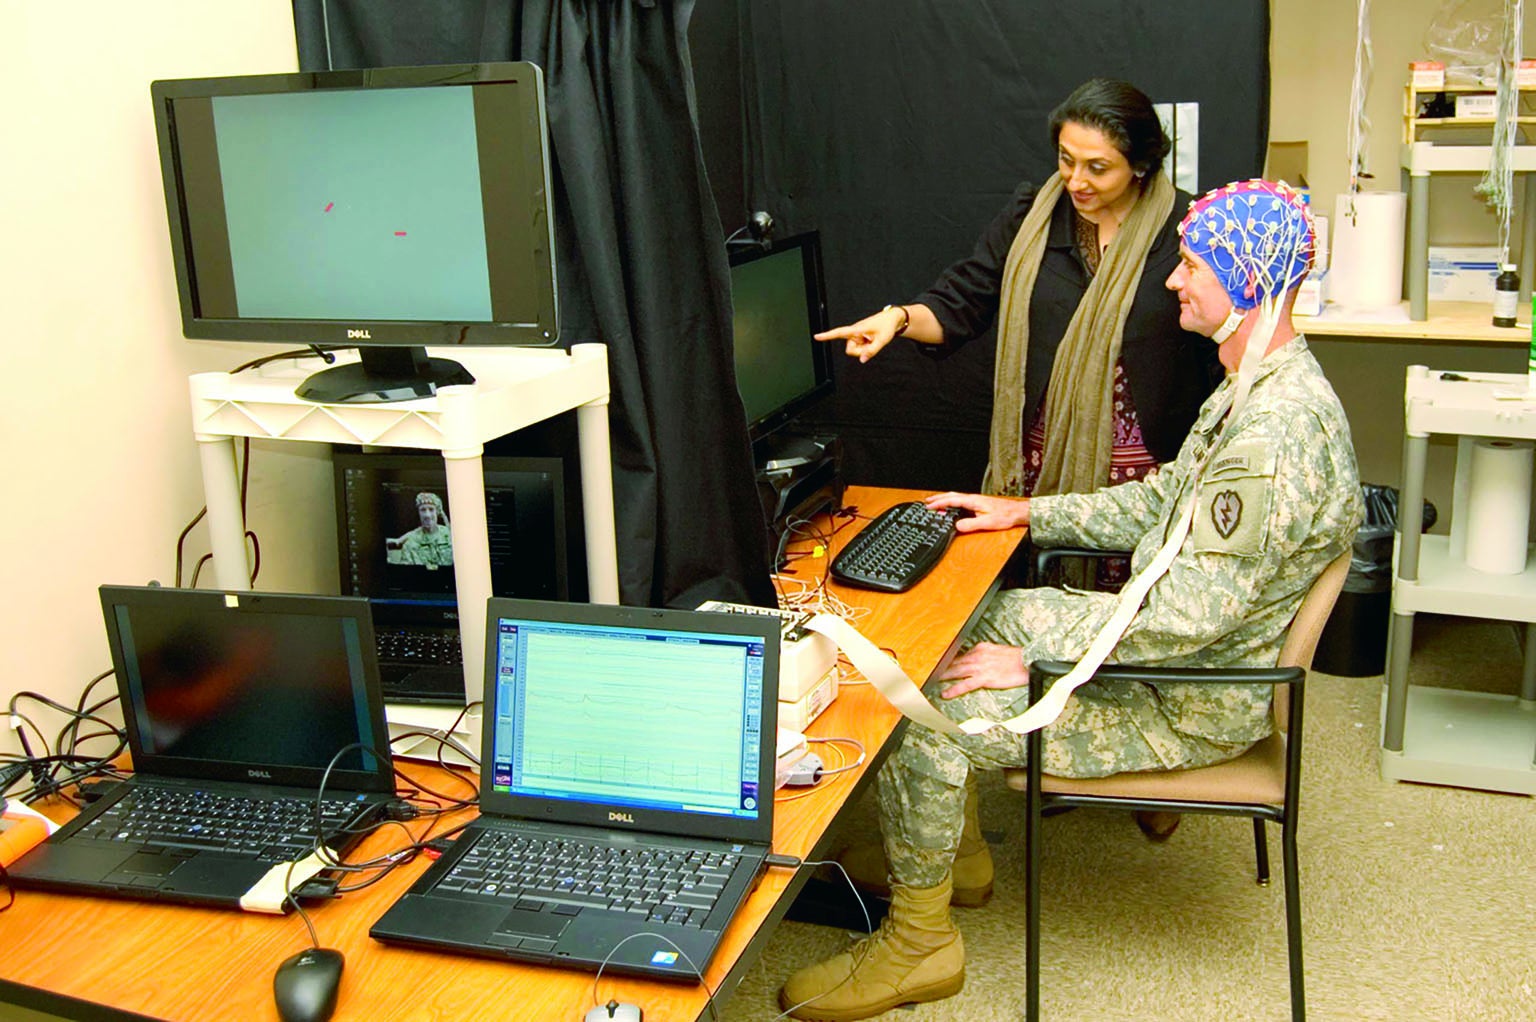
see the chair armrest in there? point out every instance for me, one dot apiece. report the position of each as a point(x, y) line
point(1052, 669)
point(1046, 557)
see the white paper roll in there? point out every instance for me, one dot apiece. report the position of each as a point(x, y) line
point(1499, 505)
point(1367, 259)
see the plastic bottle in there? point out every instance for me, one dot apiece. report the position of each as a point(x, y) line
point(1506, 295)
point(1530, 362)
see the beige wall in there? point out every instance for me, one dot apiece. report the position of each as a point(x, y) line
point(100, 468)
point(1312, 68)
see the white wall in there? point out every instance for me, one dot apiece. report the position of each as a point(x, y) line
point(100, 469)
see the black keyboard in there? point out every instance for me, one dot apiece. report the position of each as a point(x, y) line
point(660, 885)
point(413, 646)
point(273, 829)
point(897, 549)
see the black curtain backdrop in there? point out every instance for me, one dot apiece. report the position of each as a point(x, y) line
point(640, 257)
point(898, 128)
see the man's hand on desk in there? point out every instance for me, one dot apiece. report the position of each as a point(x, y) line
point(985, 665)
point(989, 514)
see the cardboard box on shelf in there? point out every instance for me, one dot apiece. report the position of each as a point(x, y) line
point(1426, 74)
point(1477, 104)
point(1462, 273)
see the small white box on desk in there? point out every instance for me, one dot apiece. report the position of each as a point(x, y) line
point(804, 657)
point(797, 714)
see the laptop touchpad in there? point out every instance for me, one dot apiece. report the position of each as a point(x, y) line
point(523, 923)
point(150, 864)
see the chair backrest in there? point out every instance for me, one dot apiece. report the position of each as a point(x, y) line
point(1307, 626)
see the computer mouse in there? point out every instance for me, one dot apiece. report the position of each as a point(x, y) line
point(615, 1011)
point(305, 985)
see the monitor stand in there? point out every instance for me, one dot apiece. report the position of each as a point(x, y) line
point(383, 374)
point(783, 453)
point(797, 476)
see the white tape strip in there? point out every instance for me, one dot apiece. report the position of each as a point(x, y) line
point(883, 673)
point(269, 893)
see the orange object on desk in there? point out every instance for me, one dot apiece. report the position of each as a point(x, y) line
point(18, 834)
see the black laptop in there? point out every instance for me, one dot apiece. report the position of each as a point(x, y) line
point(394, 538)
point(626, 791)
point(235, 705)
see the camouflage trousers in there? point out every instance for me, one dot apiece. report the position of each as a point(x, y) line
point(1104, 729)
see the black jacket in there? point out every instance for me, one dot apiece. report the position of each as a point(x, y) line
point(1170, 372)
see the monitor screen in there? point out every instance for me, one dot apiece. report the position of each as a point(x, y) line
point(395, 532)
point(392, 206)
point(778, 304)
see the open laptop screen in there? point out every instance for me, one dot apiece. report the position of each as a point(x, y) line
point(245, 685)
point(647, 718)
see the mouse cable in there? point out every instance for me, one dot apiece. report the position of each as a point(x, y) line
point(401, 856)
point(869, 927)
point(714, 1012)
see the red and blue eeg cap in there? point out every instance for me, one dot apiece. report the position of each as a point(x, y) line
point(1252, 233)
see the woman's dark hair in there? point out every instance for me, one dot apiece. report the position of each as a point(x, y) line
point(1124, 114)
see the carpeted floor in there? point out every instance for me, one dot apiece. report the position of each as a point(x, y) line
point(1418, 902)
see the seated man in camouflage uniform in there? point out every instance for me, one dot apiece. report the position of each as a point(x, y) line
point(1275, 503)
point(430, 543)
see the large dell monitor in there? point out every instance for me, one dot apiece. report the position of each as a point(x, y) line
point(386, 209)
point(778, 299)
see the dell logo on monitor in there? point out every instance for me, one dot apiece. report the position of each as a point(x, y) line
point(620, 818)
point(359, 335)
point(260, 775)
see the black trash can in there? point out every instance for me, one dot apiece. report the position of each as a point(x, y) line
point(1354, 642)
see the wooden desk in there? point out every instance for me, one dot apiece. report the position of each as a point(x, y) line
point(99, 959)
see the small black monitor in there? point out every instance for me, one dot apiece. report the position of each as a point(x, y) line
point(779, 303)
point(395, 528)
point(385, 209)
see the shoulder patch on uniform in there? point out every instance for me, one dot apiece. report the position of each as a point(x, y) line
point(1227, 512)
point(1244, 458)
point(1235, 493)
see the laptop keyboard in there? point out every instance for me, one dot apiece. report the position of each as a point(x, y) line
point(405, 645)
point(662, 885)
point(273, 829)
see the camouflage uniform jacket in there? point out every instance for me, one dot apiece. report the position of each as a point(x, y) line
point(1279, 500)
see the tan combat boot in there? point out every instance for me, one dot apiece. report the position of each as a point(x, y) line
point(915, 955)
point(972, 870)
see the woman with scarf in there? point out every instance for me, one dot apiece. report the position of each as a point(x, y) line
point(1095, 382)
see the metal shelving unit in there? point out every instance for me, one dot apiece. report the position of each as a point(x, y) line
point(1449, 736)
point(1422, 158)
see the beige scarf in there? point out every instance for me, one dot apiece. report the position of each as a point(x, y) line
point(1079, 401)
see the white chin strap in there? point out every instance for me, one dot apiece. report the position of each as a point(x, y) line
point(1229, 325)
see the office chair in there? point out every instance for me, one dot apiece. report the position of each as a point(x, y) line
point(1263, 783)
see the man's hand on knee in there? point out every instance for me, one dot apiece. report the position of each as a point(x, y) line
point(985, 665)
